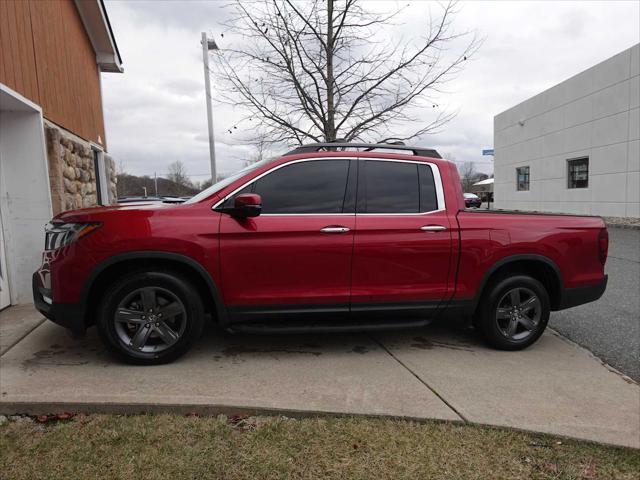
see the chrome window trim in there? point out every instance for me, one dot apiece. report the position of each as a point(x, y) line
point(434, 169)
point(307, 214)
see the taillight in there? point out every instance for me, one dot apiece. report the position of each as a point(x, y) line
point(603, 245)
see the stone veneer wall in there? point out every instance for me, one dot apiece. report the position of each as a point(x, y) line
point(72, 175)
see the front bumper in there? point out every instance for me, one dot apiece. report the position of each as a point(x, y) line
point(68, 315)
point(572, 297)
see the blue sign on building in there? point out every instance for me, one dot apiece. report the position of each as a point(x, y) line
point(487, 152)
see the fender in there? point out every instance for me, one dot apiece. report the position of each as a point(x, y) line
point(517, 258)
point(156, 255)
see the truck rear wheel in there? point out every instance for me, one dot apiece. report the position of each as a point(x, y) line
point(149, 318)
point(514, 313)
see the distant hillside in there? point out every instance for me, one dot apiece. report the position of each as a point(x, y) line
point(131, 185)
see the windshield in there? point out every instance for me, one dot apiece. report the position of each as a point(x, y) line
point(207, 192)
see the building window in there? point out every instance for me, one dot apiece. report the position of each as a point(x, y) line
point(578, 173)
point(522, 178)
point(102, 186)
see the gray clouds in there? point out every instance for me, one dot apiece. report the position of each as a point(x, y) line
point(155, 111)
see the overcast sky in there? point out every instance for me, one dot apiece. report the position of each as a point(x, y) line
point(155, 111)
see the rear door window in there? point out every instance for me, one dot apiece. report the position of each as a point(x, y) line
point(389, 187)
point(396, 187)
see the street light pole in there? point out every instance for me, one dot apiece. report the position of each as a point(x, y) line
point(206, 46)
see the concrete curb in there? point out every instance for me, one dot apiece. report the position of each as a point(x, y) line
point(623, 226)
point(203, 410)
point(127, 408)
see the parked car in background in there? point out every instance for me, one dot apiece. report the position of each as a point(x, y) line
point(331, 237)
point(471, 200)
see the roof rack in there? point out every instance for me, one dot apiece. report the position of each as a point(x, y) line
point(316, 147)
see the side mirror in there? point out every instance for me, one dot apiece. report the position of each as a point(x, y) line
point(247, 205)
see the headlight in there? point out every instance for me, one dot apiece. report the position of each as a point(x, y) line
point(58, 235)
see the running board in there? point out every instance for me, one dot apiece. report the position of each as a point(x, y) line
point(343, 327)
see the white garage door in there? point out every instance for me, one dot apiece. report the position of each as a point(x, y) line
point(25, 195)
point(5, 299)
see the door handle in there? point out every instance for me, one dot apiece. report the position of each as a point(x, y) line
point(433, 228)
point(334, 230)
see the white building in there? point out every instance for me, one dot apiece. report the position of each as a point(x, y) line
point(575, 147)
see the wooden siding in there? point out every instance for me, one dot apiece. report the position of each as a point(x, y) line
point(46, 56)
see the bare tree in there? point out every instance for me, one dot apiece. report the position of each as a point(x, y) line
point(262, 150)
point(320, 70)
point(178, 175)
point(122, 166)
point(204, 184)
point(469, 175)
point(122, 184)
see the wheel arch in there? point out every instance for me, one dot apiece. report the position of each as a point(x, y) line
point(116, 265)
point(542, 268)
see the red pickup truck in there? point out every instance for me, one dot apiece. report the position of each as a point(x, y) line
point(330, 237)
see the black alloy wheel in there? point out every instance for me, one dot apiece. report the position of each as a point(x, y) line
point(514, 312)
point(149, 318)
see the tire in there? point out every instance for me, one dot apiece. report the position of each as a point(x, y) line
point(150, 318)
point(501, 309)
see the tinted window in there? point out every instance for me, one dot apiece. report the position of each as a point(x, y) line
point(578, 176)
point(389, 187)
point(305, 187)
point(428, 197)
point(229, 202)
point(522, 178)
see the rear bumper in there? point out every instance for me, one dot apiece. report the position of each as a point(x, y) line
point(572, 297)
point(68, 315)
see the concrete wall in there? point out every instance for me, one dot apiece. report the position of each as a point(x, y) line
point(594, 114)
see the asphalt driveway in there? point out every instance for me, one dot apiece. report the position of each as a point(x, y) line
point(610, 327)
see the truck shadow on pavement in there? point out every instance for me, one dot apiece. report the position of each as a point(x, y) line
point(216, 344)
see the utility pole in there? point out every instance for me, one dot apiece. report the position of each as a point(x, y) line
point(206, 46)
point(155, 181)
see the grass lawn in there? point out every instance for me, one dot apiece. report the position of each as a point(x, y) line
point(179, 447)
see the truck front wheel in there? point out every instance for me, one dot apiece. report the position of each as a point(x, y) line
point(514, 313)
point(148, 318)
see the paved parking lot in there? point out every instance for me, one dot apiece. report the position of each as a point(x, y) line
point(610, 327)
point(437, 372)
